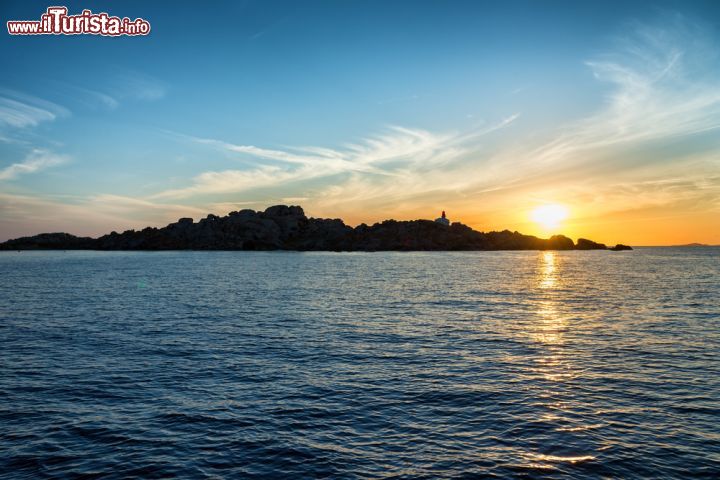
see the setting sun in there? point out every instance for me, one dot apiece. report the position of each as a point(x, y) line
point(549, 216)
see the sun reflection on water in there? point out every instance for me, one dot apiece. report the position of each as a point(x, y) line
point(548, 331)
point(550, 327)
point(548, 275)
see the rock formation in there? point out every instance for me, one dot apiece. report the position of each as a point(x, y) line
point(287, 228)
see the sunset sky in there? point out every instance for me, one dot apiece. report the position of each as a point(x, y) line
point(370, 110)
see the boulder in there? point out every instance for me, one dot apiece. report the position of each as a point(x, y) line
point(585, 244)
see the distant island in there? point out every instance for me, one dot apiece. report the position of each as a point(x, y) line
point(284, 227)
point(694, 245)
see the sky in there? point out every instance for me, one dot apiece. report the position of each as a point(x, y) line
point(368, 110)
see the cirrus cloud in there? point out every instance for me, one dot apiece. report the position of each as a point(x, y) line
point(35, 161)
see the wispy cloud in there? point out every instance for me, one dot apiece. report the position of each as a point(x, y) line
point(364, 156)
point(231, 181)
point(137, 86)
point(18, 110)
point(663, 86)
point(91, 98)
point(35, 161)
point(120, 87)
point(131, 208)
point(393, 154)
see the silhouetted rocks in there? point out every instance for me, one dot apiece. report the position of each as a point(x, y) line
point(287, 228)
point(620, 247)
point(49, 241)
point(585, 244)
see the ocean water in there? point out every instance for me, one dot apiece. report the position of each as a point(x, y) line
point(360, 365)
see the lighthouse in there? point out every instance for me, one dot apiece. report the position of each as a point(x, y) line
point(443, 219)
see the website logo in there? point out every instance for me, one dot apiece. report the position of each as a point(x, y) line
point(56, 21)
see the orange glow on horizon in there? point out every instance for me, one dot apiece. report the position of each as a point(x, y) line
point(631, 227)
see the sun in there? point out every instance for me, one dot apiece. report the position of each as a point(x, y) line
point(549, 216)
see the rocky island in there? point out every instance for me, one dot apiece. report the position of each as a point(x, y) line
point(284, 227)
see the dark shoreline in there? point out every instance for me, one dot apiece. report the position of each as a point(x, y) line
point(287, 228)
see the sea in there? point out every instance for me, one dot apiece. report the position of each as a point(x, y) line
point(402, 365)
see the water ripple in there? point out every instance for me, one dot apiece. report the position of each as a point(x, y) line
point(384, 365)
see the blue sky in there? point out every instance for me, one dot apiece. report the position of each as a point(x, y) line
point(365, 110)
